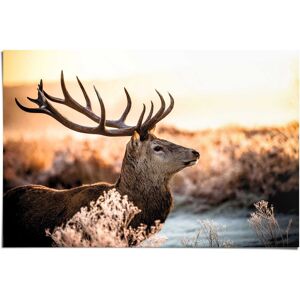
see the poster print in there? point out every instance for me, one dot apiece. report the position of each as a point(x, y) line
point(150, 149)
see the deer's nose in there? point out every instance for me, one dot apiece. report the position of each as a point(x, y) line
point(197, 154)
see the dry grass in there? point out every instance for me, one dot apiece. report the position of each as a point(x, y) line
point(208, 235)
point(236, 163)
point(64, 163)
point(266, 227)
point(106, 224)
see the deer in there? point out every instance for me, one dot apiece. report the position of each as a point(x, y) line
point(148, 165)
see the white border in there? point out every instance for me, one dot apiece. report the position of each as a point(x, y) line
point(149, 273)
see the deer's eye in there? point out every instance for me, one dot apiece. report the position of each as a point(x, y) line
point(157, 148)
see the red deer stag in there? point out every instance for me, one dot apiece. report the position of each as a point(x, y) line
point(148, 165)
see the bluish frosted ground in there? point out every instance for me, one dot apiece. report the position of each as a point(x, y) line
point(183, 223)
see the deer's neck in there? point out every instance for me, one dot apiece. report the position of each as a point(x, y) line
point(147, 190)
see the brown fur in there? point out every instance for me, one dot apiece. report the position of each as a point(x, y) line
point(29, 210)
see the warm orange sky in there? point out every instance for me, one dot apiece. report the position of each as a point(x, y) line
point(210, 88)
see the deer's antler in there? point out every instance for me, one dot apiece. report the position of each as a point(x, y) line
point(45, 107)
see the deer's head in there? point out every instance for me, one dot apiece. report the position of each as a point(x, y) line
point(155, 156)
point(158, 157)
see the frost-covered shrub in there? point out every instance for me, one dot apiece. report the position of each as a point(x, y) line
point(266, 227)
point(106, 224)
point(209, 234)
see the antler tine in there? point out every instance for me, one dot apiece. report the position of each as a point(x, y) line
point(100, 129)
point(41, 101)
point(31, 110)
point(150, 123)
point(120, 123)
point(68, 98)
point(87, 111)
point(38, 100)
point(128, 107)
point(87, 99)
point(169, 109)
point(117, 132)
point(150, 113)
point(103, 113)
point(56, 99)
point(40, 85)
point(45, 107)
point(139, 123)
point(69, 101)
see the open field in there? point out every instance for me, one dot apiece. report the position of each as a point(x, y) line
point(237, 165)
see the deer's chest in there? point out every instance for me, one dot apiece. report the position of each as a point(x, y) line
point(153, 207)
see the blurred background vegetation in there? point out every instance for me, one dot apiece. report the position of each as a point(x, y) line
point(238, 165)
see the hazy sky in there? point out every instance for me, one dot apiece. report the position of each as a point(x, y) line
point(210, 88)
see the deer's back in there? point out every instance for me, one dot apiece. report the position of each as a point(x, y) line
point(29, 210)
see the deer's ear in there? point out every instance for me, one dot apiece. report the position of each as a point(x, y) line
point(135, 139)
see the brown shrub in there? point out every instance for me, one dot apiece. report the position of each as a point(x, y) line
point(64, 164)
point(263, 162)
point(235, 163)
